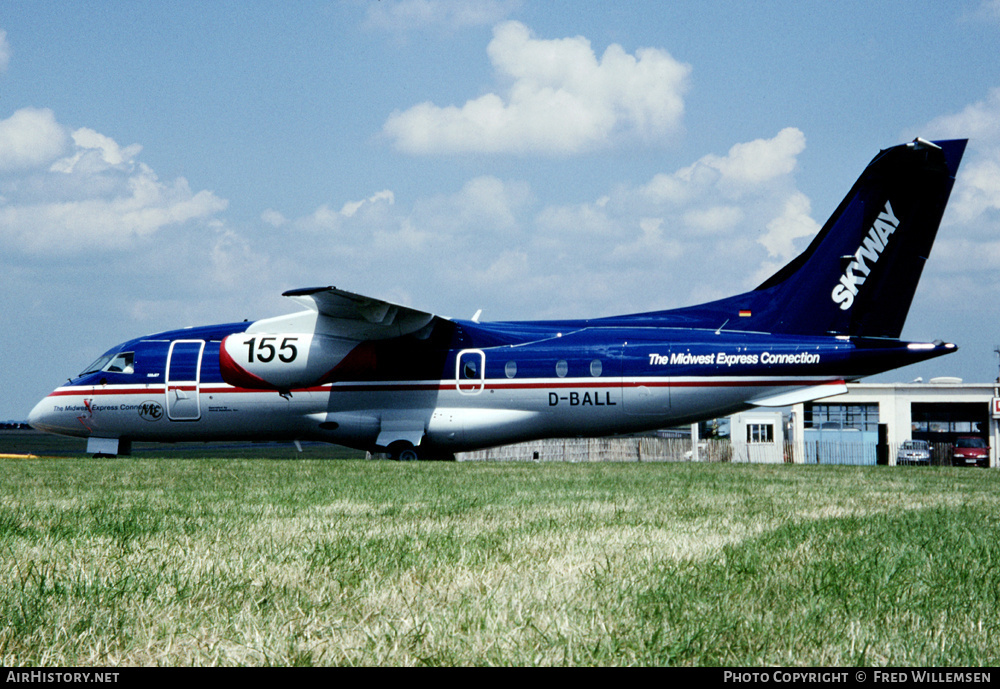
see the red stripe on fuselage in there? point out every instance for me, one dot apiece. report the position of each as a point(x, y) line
point(450, 385)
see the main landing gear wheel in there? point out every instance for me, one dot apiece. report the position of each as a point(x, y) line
point(403, 452)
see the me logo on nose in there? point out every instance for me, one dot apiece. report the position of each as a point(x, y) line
point(150, 411)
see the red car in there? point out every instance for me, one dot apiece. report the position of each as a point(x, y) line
point(969, 450)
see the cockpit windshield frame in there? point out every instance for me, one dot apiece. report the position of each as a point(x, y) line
point(119, 362)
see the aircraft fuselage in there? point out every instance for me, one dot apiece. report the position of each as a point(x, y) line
point(492, 384)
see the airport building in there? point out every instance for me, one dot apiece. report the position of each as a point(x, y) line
point(871, 416)
point(867, 425)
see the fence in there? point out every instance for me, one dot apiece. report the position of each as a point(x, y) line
point(679, 450)
point(826, 452)
point(604, 450)
point(866, 453)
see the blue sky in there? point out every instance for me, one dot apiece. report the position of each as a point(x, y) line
point(183, 163)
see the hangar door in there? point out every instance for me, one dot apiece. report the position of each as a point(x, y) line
point(942, 422)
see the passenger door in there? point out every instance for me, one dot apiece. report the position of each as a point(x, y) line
point(183, 377)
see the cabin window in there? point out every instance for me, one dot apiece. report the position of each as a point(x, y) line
point(596, 367)
point(562, 368)
point(469, 371)
point(510, 370)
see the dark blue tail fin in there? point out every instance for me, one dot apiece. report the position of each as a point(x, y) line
point(858, 275)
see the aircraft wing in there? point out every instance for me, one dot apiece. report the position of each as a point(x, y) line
point(339, 336)
point(359, 317)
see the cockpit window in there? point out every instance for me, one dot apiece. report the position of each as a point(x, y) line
point(97, 365)
point(123, 362)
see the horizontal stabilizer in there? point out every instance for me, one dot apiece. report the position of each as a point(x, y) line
point(801, 395)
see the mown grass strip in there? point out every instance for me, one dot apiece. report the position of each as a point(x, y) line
point(253, 561)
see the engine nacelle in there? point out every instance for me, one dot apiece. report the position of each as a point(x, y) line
point(280, 361)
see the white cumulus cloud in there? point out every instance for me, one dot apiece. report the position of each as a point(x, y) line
point(741, 209)
point(29, 138)
point(794, 222)
point(977, 191)
point(976, 196)
point(562, 99)
point(327, 219)
point(351, 207)
point(273, 218)
point(978, 121)
point(973, 214)
point(714, 219)
point(107, 151)
point(96, 196)
point(747, 166)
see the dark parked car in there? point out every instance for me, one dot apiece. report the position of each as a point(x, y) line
point(914, 452)
point(970, 450)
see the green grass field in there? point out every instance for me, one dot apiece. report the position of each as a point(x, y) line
point(184, 560)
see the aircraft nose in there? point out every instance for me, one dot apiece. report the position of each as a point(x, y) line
point(41, 417)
